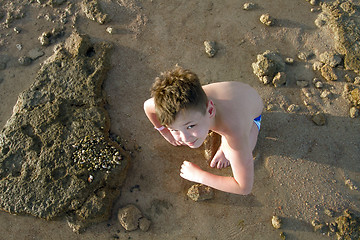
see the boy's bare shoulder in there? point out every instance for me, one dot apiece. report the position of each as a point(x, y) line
point(229, 90)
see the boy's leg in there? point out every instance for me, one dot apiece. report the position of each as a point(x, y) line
point(254, 132)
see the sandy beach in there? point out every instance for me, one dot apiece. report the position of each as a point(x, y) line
point(301, 169)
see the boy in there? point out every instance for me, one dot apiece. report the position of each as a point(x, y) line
point(183, 112)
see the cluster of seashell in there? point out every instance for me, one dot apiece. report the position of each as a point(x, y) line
point(94, 153)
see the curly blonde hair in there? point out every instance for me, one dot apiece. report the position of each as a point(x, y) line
point(176, 90)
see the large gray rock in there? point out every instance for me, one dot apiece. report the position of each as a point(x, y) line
point(341, 17)
point(56, 158)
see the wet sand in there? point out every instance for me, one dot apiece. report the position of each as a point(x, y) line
point(301, 168)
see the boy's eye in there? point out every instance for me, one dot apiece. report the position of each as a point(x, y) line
point(191, 126)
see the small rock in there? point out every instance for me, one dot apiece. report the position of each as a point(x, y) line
point(44, 39)
point(314, 2)
point(249, 6)
point(315, 222)
point(333, 227)
point(35, 53)
point(279, 79)
point(329, 212)
point(24, 60)
point(110, 30)
point(354, 112)
point(317, 66)
point(351, 184)
point(293, 108)
point(144, 224)
point(305, 56)
point(302, 83)
point(328, 73)
point(289, 61)
point(348, 78)
point(129, 217)
point(210, 48)
point(267, 19)
point(317, 83)
point(357, 80)
point(19, 47)
point(325, 94)
point(270, 107)
point(17, 30)
point(331, 59)
point(319, 119)
point(282, 236)
point(265, 79)
point(200, 192)
point(276, 222)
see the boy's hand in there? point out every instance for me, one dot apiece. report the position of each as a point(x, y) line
point(191, 172)
point(169, 137)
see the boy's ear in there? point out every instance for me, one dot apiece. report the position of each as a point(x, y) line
point(211, 108)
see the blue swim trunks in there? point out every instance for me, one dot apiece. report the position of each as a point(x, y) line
point(257, 121)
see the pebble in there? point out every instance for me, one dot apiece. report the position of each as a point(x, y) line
point(19, 46)
point(24, 60)
point(348, 78)
point(354, 112)
point(289, 61)
point(329, 212)
point(350, 184)
point(304, 56)
point(17, 30)
point(357, 80)
point(293, 108)
point(319, 85)
point(267, 19)
point(325, 94)
point(110, 30)
point(44, 39)
point(276, 222)
point(265, 79)
point(319, 119)
point(249, 6)
point(144, 224)
point(279, 79)
point(302, 83)
point(314, 2)
point(210, 48)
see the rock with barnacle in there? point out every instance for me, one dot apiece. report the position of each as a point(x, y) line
point(56, 143)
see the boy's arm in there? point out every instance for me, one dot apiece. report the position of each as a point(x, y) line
point(149, 108)
point(242, 165)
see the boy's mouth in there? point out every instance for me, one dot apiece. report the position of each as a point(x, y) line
point(191, 143)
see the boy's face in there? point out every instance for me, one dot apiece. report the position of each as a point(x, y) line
point(191, 127)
